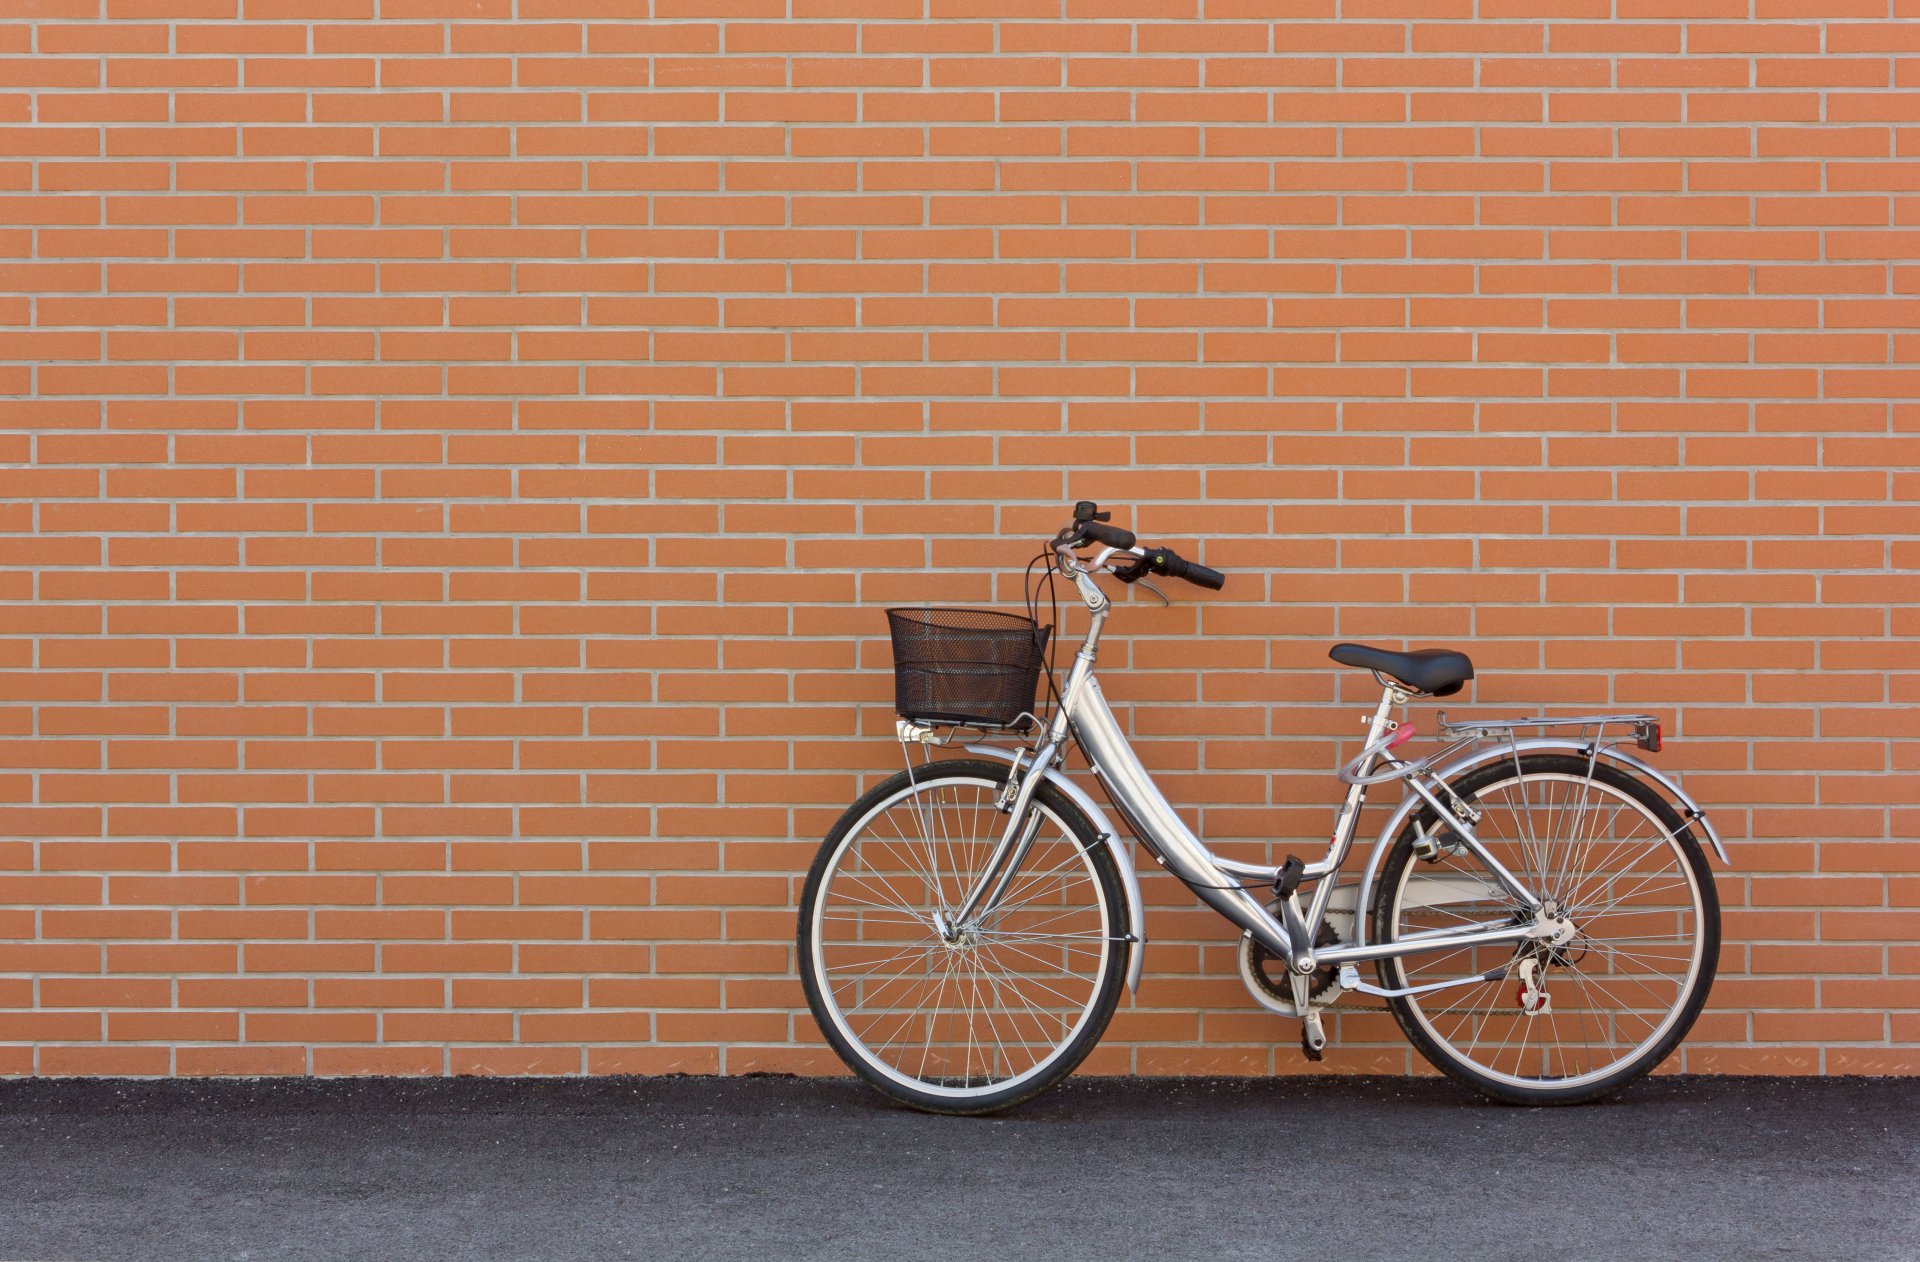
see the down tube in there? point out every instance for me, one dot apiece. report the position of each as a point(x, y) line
point(1153, 820)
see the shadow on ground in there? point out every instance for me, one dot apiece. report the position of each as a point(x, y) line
point(696, 1168)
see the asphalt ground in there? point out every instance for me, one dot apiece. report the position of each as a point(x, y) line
point(779, 1168)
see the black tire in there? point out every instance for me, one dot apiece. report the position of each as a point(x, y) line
point(1105, 993)
point(1643, 1060)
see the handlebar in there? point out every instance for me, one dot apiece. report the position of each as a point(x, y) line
point(1084, 529)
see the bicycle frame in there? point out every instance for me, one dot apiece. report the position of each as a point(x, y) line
point(1084, 716)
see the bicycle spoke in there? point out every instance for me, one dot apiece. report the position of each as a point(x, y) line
point(908, 856)
point(897, 909)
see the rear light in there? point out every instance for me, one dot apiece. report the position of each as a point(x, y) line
point(1647, 737)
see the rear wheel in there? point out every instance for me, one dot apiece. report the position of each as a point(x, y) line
point(972, 1017)
point(1553, 1022)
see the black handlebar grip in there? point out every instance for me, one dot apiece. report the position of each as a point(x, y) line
point(1200, 576)
point(1112, 536)
point(1173, 565)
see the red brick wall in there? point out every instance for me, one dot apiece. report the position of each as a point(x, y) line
point(386, 384)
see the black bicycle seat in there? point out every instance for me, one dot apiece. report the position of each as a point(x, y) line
point(1438, 672)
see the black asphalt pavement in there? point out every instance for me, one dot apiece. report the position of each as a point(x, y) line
point(776, 1168)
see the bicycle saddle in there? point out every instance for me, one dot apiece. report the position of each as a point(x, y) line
point(1438, 672)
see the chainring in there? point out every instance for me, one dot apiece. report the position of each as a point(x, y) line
point(1323, 979)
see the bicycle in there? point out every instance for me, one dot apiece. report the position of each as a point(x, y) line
point(1541, 919)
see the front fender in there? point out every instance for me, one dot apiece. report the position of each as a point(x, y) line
point(1122, 854)
point(1363, 899)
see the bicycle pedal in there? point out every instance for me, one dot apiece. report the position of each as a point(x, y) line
point(1313, 1035)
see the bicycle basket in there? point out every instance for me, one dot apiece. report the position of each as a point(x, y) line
point(971, 666)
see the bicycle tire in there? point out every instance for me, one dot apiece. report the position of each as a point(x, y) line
point(1569, 1089)
point(1105, 992)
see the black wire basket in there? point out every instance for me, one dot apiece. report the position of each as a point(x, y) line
point(965, 666)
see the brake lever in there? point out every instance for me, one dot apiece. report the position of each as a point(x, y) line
point(1137, 573)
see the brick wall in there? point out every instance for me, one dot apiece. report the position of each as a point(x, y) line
point(456, 453)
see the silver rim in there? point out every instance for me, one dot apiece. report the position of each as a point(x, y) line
point(1613, 991)
point(999, 1007)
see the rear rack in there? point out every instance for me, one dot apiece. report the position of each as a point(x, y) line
point(1645, 727)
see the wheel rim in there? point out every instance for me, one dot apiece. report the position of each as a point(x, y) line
point(995, 1009)
point(1614, 990)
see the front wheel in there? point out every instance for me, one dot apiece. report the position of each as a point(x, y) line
point(1553, 1022)
point(960, 1017)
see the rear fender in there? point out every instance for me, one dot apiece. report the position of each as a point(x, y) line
point(1122, 853)
point(1689, 809)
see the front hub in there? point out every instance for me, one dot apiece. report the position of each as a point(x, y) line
point(958, 936)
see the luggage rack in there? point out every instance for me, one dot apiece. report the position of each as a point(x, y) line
point(940, 733)
point(1376, 763)
point(1645, 728)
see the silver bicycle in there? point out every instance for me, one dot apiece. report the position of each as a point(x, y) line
point(1537, 909)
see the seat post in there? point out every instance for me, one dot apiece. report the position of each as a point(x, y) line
point(1391, 695)
point(1347, 822)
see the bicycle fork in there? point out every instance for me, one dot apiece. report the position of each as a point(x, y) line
point(1016, 838)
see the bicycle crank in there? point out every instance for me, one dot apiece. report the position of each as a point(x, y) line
point(1313, 1034)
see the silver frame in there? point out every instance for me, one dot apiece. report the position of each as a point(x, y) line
point(1083, 717)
